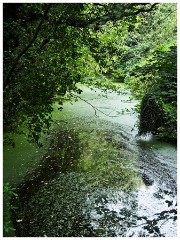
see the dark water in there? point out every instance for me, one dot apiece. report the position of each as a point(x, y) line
point(97, 178)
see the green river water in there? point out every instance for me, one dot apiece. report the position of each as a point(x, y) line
point(94, 176)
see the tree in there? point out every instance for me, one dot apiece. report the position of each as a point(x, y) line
point(151, 71)
point(46, 49)
point(159, 76)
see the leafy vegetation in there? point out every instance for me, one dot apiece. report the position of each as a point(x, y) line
point(158, 78)
point(152, 72)
point(143, 54)
point(49, 48)
point(8, 193)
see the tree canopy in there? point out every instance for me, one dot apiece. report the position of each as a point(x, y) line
point(50, 47)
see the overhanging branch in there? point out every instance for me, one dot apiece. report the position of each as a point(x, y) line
point(94, 108)
point(8, 77)
point(108, 16)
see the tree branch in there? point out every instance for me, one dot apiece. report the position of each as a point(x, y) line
point(95, 109)
point(54, 28)
point(7, 79)
point(84, 23)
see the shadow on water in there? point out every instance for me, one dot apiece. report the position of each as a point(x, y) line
point(53, 201)
point(97, 179)
point(91, 183)
point(62, 157)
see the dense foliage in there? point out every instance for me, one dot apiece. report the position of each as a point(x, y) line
point(49, 48)
point(153, 74)
point(158, 76)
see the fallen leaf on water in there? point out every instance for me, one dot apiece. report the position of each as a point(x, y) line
point(19, 220)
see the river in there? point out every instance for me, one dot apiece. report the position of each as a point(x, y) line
point(96, 176)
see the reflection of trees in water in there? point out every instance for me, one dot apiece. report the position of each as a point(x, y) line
point(40, 198)
point(153, 170)
point(115, 160)
point(56, 209)
point(62, 156)
point(112, 212)
point(99, 202)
